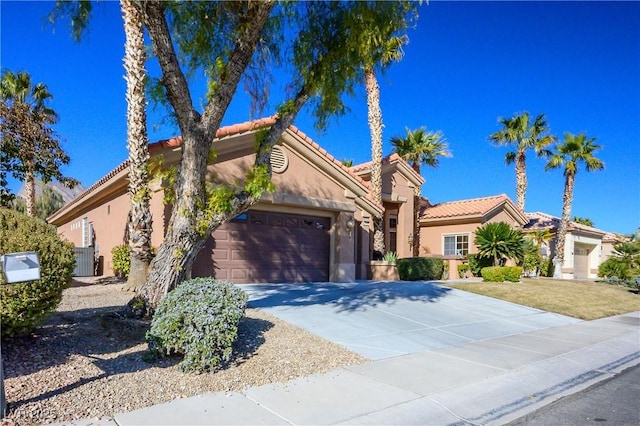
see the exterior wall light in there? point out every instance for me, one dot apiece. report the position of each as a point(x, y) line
point(349, 224)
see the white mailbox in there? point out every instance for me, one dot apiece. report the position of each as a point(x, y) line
point(19, 267)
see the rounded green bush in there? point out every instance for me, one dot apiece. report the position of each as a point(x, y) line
point(199, 319)
point(25, 305)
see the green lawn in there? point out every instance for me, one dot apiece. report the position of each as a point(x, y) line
point(580, 299)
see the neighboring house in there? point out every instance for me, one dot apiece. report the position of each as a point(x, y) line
point(399, 185)
point(448, 229)
point(609, 240)
point(583, 251)
point(316, 226)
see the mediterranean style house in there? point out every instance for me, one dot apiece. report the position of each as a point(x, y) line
point(583, 250)
point(447, 230)
point(315, 226)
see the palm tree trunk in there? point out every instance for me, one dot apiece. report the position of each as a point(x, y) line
point(567, 201)
point(137, 144)
point(375, 127)
point(30, 189)
point(416, 213)
point(416, 223)
point(521, 179)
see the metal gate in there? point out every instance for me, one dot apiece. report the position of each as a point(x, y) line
point(84, 261)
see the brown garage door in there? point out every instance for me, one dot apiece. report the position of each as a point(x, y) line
point(268, 247)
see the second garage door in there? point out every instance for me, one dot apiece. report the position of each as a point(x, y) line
point(268, 247)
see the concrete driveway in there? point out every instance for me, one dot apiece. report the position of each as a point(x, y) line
point(386, 319)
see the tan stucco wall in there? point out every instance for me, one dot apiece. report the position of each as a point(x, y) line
point(503, 216)
point(432, 237)
point(399, 192)
point(108, 219)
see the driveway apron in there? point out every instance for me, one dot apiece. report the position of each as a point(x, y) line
point(386, 319)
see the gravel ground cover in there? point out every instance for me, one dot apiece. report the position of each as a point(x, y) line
point(86, 360)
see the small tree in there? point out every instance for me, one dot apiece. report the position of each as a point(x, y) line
point(497, 240)
point(30, 147)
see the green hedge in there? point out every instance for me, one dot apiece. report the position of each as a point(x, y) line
point(512, 273)
point(498, 274)
point(420, 268)
point(494, 274)
point(24, 306)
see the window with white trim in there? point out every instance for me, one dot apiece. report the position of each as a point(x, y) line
point(456, 245)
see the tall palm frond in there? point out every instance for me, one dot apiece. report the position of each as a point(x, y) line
point(523, 135)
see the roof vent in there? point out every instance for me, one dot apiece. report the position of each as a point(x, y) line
point(279, 160)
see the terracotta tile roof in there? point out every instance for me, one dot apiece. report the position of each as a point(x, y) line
point(539, 220)
point(459, 208)
point(366, 167)
point(612, 237)
point(221, 133)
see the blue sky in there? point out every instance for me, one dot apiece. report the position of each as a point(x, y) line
point(467, 64)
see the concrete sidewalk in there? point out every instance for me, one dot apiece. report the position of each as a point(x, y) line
point(490, 381)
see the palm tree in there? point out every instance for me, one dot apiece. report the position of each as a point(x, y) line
point(27, 136)
point(420, 147)
point(524, 135)
point(381, 48)
point(137, 143)
point(541, 237)
point(497, 240)
point(575, 149)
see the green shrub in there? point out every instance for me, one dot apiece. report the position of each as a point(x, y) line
point(121, 260)
point(25, 305)
point(420, 268)
point(199, 319)
point(512, 273)
point(613, 268)
point(390, 256)
point(462, 270)
point(546, 268)
point(531, 263)
point(476, 263)
point(494, 274)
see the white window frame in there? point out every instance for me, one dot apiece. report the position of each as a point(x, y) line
point(458, 252)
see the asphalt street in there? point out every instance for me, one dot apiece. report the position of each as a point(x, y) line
point(615, 401)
